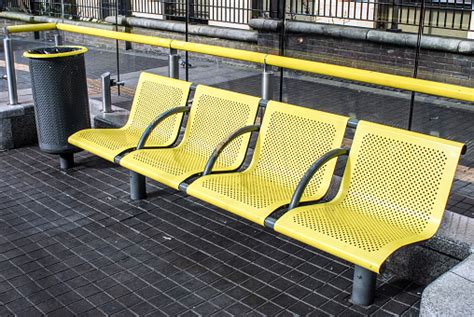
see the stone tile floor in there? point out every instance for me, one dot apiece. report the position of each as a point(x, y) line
point(72, 243)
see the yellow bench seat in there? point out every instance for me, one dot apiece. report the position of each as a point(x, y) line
point(290, 139)
point(393, 193)
point(154, 95)
point(214, 114)
point(169, 166)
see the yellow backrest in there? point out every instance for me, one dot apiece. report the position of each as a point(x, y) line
point(399, 176)
point(214, 115)
point(291, 139)
point(154, 95)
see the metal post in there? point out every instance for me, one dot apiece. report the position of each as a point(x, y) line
point(66, 161)
point(10, 67)
point(63, 9)
point(267, 83)
point(421, 25)
point(282, 16)
point(137, 186)
point(117, 54)
point(106, 94)
point(173, 64)
point(58, 41)
point(394, 24)
point(186, 38)
point(363, 288)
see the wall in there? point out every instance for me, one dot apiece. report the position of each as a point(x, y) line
point(388, 58)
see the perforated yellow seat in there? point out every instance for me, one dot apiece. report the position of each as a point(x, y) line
point(154, 95)
point(291, 138)
point(393, 193)
point(215, 113)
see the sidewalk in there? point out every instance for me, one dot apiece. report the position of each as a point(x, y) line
point(73, 243)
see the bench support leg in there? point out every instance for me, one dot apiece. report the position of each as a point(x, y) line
point(137, 186)
point(66, 161)
point(363, 288)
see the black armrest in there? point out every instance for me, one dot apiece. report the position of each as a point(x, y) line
point(146, 134)
point(214, 156)
point(298, 193)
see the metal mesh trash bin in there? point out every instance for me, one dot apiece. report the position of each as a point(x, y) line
point(58, 78)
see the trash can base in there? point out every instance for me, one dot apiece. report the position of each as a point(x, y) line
point(66, 161)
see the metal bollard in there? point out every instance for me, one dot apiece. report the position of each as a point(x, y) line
point(173, 64)
point(137, 186)
point(106, 94)
point(363, 288)
point(10, 67)
point(58, 41)
point(267, 83)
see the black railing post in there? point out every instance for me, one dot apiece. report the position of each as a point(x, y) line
point(417, 60)
point(32, 7)
point(104, 9)
point(394, 20)
point(381, 14)
point(192, 15)
point(257, 8)
point(186, 38)
point(125, 7)
point(282, 16)
point(274, 8)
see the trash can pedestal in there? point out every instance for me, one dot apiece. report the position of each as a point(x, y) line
point(59, 83)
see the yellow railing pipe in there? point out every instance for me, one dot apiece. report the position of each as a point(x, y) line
point(31, 27)
point(121, 36)
point(226, 52)
point(376, 78)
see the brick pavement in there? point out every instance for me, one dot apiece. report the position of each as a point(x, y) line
point(73, 243)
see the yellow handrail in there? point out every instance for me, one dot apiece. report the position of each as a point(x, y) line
point(376, 78)
point(31, 27)
point(220, 51)
point(122, 36)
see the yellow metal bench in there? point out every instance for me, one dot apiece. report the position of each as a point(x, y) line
point(289, 141)
point(393, 193)
point(213, 115)
point(154, 95)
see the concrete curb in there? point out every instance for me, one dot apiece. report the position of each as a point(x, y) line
point(179, 27)
point(171, 26)
point(452, 293)
point(438, 43)
point(43, 19)
point(17, 126)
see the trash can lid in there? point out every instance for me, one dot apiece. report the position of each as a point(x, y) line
point(55, 51)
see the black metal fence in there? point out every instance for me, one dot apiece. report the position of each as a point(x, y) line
point(385, 14)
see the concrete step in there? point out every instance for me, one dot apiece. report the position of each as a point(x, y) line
point(452, 294)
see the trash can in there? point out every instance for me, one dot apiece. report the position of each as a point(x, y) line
point(58, 78)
